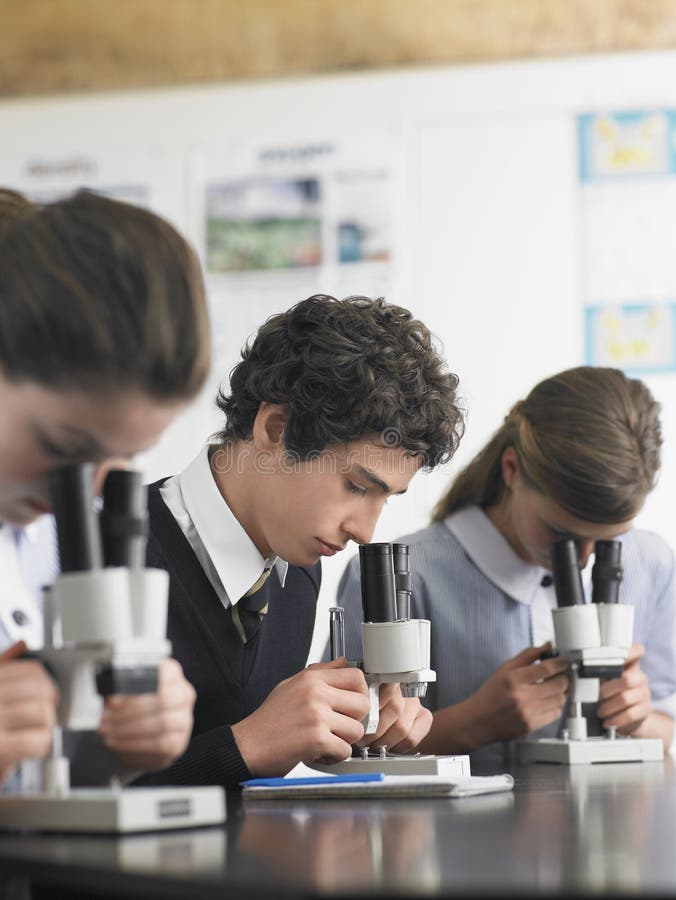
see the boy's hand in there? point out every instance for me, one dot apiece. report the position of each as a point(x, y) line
point(402, 724)
point(28, 702)
point(150, 731)
point(314, 715)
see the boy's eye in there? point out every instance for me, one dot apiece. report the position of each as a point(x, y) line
point(355, 489)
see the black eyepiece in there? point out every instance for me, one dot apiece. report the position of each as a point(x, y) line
point(124, 519)
point(376, 563)
point(402, 580)
point(607, 572)
point(566, 574)
point(71, 491)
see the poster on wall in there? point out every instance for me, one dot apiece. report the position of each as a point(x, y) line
point(277, 221)
point(124, 174)
point(632, 337)
point(627, 167)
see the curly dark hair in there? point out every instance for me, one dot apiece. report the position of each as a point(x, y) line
point(347, 369)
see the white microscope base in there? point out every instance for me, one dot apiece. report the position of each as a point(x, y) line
point(449, 766)
point(593, 750)
point(117, 811)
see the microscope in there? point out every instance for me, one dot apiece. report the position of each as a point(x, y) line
point(595, 638)
point(105, 621)
point(396, 648)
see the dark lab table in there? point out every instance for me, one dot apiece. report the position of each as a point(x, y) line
point(583, 830)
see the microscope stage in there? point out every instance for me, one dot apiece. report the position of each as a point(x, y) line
point(592, 750)
point(114, 811)
point(449, 766)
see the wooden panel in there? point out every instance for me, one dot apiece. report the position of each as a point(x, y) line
point(50, 46)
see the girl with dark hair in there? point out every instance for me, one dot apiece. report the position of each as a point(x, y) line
point(575, 459)
point(103, 340)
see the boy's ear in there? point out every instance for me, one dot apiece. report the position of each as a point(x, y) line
point(269, 425)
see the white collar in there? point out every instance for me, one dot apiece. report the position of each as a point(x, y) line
point(488, 548)
point(31, 531)
point(231, 550)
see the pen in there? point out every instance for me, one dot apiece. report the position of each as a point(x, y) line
point(321, 779)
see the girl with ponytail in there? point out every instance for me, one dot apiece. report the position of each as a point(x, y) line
point(575, 459)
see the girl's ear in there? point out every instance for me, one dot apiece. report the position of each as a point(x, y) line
point(511, 469)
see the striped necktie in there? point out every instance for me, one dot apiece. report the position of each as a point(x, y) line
point(248, 613)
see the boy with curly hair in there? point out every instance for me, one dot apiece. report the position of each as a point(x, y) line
point(334, 407)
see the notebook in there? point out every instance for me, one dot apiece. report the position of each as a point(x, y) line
point(376, 785)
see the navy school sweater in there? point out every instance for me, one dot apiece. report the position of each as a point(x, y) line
point(231, 679)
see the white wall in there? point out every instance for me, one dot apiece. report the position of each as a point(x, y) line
point(488, 240)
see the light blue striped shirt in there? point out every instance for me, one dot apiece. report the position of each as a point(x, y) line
point(486, 605)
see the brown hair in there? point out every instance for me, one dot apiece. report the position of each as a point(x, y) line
point(96, 294)
point(588, 438)
point(13, 206)
point(346, 369)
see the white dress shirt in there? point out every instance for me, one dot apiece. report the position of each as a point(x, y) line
point(20, 608)
point(225, 551)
